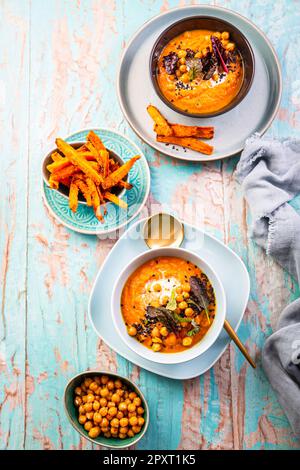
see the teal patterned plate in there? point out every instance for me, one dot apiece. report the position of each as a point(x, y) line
point(83, 220)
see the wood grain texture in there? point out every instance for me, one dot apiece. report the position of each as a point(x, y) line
point(57, 74)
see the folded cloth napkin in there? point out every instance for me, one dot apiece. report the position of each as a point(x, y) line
point(269, 172)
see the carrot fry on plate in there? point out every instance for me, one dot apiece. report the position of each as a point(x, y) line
point(75, 158)
point(115, 199)
point(73, 196)
point(159, 120)
point(95, 140)
point(189, 142)
point(119, 174)
point(188, 131)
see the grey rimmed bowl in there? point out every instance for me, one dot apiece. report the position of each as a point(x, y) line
point(214, 24)
point(72, 411)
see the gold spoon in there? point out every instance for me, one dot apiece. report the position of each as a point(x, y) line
point(162, 230)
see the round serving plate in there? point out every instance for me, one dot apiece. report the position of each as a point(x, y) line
point(253, 115)
point(84, 220)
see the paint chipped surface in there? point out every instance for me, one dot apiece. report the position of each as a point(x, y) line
point(66, 81)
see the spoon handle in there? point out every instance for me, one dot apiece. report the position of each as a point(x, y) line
point(238, 342)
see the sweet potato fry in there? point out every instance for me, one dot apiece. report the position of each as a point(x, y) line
point(53, 182)
point(58, 165)
point(73, 196)
point(159, 120)
point(75, 158)
point(189, 142)
point(187, 131)
point(119, 174)
point(65, 172)
point(125, 184)
point(84, 189)
point(115, 199)
point(95, 140)
point(105, 162)
point(56, 157)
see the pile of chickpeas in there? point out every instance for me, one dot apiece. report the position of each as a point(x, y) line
point(181, 72)
point(106, 406)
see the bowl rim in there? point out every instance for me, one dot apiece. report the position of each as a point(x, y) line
point(230, 105)
point(122, 377)
point(176, 356)
point(112, 153)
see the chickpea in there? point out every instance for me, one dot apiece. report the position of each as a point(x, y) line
point(156, 347)
point(198, 55)
point(122, 406)
point(77, 401)
point(120, 415)
point(114, 431)
point(204, 52)
point(133, 421)
point(186, 287)
point(183, 68)
point(98, 418)
point(132, 331)
point(183, 305)
point(178, 290)
point(217, 34)
point(187, 341)
point(122, 436)
point(82, 419)
point(136, 429)
point(104, 423)
point(155, 332)
point(94, 432)
point(182, 61)
point(81, 410)
point(179, 298)
point(133, 413)
point(78, 391)
point(115, 423)
point(141, 421)
point(88, 426)
point(96, 406)
point(157, 287)
point(103, 411)
point(181, 53)
point(127, 401)
point(163, 331)
point(172, 77)
point(137, 401)
point(112, 411)
point(171, 339)
point(140, 410)
point(116, 398)
point(110, 385)
point(105, 430)
point(132, 395)
point(230, 46)
point(131, 407)
point(111, 404)
point(155, 303)
point(104, 392)
point(104, 379)
point(93, 386)
point(130, 433)
point(103, 402)
point(84, 399)
point(124, 422)
point(90, 398)
point(97, 379)
point(83, 387)
point(88, 407)
point(215, 76)
point(178, 75)
point(185, 78)
point(120, 392)
point(225, 35)
point(164, 300)
point(90, 415)
point(106, 434)
point(186, 295)
point(188, 312)
point(124, 430)
point(87, 382)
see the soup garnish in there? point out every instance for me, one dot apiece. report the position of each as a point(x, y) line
point(168, 304)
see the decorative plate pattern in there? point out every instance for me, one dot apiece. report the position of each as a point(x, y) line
point(83, 220)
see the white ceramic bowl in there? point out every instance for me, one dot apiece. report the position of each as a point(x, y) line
point(201, 346)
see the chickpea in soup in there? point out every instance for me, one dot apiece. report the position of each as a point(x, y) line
point(200, 71)
point(168, 304)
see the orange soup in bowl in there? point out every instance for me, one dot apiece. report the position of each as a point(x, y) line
point(168, 304)
point(200, 71)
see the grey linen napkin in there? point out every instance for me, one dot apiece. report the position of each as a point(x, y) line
point(269, 171)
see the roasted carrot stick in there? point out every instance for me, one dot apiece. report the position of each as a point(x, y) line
point(187, 131)
point(189, 142)
point(115, 199)
point(119, 174)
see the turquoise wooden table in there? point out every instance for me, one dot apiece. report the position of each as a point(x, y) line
point(58, 67)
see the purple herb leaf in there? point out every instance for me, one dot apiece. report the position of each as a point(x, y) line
point(190, 54)
point(219, 52)
point(170, 62)
point(209, 65)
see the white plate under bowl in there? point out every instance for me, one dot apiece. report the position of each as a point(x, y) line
point(222, 260)
point(254, 114)
point(189, 353)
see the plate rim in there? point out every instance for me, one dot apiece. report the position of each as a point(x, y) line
point(110, 231)
point(194, 7)
point(183, 377)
